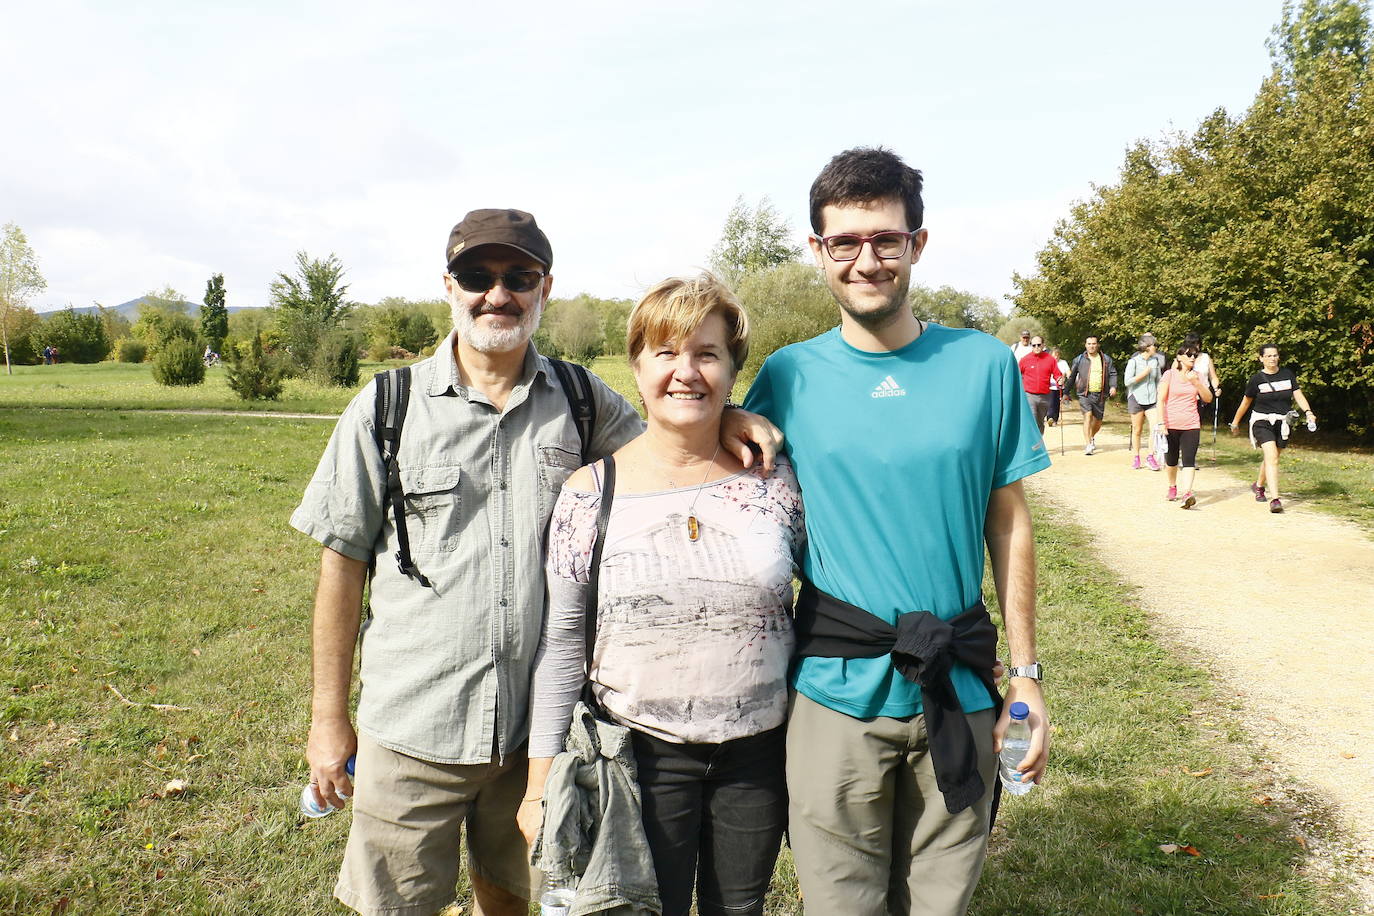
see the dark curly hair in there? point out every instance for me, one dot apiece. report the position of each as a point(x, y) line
point(866, 174)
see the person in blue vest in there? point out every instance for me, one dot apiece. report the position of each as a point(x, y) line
point(893, 727)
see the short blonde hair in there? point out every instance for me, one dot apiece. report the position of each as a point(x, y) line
point(674, 308)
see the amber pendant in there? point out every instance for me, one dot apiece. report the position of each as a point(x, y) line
point(693, 528)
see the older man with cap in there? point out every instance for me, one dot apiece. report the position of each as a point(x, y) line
point(1022, 347)
point(448, 643)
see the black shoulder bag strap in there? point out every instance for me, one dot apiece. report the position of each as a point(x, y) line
point(603, 516)
point(577, 388)
point(392, 400)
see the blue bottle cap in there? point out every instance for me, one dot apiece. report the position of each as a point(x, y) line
point(353, 761)
point(1019, 710)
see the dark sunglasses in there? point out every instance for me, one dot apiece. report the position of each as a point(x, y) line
point(515, 281)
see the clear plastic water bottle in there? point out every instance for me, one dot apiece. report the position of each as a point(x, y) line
point(1015, 743)
point(557, 898)
point(312, 808)
point(1312, 425)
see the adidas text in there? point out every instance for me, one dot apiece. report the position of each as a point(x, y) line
point(888, 388)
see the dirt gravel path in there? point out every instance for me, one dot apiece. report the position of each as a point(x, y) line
point(1279, 607)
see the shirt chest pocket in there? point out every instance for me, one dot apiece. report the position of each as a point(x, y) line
point(556, 465)
point(433, 507)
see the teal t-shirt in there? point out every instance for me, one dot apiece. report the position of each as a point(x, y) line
point(897, 454)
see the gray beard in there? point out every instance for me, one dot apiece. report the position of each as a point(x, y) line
point(493, 340)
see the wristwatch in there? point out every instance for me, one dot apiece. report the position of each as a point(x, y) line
point(1034, 670)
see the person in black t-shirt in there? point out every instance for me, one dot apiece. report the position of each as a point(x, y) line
point(1272, 391)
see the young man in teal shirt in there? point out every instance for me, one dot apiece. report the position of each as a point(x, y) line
point(910, 441)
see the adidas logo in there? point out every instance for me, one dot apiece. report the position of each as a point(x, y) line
point(888, 388)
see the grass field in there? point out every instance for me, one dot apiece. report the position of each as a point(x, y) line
point(149, 554)
point(131, 385)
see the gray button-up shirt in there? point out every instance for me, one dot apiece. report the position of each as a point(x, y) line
point(446, 670)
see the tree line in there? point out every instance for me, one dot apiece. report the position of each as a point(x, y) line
point(313, 329)
point(1252, 229)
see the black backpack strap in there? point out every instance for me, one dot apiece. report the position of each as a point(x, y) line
point(603, 517)
point(577, 388)
point(392, 401)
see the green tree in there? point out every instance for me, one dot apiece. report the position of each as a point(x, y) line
point(573, 327)
point(336, 359)
point(179, 364)
point(615, 314)
point(245, 325)
point(309, 305)
point(1251, 228)
point(131, 350)
point(214, 315)
point(253, 374)
point(1009, 331)
point(23, 330)
point(786, 303)
point(384, 328)
point(396, 323)
point(752, 240)
point(164, 316)
point(418, 332)
point(1314, 32)
point(955, 308)
point(20, 278)
point(117, 326)
point(78, 336)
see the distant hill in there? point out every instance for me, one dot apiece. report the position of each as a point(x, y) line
point(130, 309)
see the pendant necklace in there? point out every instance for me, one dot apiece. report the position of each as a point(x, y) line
point(693, 526)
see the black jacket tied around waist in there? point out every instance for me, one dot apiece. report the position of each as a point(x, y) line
point(924, 649)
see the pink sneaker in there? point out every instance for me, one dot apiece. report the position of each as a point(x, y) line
point(1258, 491)
point(1135, 463)
point(1189, 500)
point(1173, 494)
point(1150, 460)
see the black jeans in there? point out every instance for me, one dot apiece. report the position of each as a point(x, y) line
point(714, 815)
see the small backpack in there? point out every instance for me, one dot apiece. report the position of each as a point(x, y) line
point(389, 417)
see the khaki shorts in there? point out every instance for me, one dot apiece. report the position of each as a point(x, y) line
point(869, 828)
point(408, 814)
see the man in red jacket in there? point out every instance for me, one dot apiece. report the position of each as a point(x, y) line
point(1037, 368)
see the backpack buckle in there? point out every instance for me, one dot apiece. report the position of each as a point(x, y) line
point(409, 571)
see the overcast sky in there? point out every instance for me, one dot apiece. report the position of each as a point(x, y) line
point(156, 143)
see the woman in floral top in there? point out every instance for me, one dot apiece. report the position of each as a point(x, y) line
point(693, 632)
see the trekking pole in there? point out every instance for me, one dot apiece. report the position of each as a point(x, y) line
point(1216, 412)
point(1060, 424)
